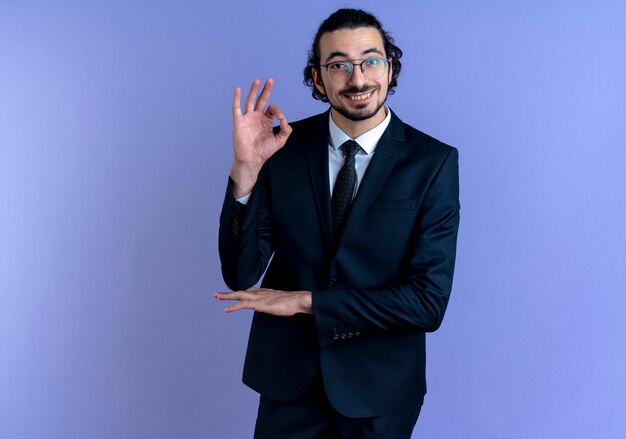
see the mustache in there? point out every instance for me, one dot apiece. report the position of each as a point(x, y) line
point(354, 90)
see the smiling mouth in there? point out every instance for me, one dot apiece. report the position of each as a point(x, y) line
point(359, 97)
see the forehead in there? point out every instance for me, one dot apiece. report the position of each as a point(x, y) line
point(351, 42)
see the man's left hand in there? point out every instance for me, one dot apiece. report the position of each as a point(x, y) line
point(275, 302)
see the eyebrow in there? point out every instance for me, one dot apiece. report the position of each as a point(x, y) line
point(344, 55)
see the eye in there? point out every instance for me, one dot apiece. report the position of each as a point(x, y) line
point(373, 61)
point(339, 66)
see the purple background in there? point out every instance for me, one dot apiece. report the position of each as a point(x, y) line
point(114, 151)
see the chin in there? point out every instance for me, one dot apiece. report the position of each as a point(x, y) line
point(360, 114)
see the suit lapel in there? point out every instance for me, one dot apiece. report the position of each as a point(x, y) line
point(317, 155)
point(385, 157)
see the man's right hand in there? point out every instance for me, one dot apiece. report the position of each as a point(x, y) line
point(253, 138)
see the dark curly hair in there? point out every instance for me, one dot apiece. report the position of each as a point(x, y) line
point(350, 19)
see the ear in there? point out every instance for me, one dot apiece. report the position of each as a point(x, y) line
point(317, 78)
point(390, 75)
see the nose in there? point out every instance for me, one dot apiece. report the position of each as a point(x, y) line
point(357, 79)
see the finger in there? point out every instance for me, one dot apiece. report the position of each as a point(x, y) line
point(237, 306)
point(285, 128)
point(235, 295)
point(274, 112)
point(265, 95)
point(249, 106)
point(226, 296)
point(236, 102)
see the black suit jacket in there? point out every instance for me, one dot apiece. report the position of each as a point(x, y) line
point(375, 294)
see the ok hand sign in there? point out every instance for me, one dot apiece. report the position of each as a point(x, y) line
point(253, 138)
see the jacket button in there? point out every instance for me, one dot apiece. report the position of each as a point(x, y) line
point(330, 283)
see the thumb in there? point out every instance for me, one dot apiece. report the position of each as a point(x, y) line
point(285, 130)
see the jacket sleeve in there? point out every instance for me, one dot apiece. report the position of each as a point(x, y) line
point(245, 236)
point(418, 301)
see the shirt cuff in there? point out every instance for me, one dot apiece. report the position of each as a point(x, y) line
point(244, 200)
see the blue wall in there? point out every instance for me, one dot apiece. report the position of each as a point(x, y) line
point(114, 151)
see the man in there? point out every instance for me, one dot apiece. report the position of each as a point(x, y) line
point(361, 238)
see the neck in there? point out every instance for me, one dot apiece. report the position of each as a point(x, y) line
point(355, 128)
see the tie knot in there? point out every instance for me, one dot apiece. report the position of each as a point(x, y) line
point(350, 148)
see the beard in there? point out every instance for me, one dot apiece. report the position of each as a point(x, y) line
point(358, 115)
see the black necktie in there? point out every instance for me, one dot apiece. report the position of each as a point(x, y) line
point(344, 187)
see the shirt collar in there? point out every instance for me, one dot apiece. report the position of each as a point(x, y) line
point(367, 141)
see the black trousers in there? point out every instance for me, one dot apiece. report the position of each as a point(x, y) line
point(312, 417)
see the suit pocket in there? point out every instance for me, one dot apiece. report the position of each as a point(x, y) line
point(393, 204)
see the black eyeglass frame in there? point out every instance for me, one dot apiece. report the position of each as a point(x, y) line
point(350, 62)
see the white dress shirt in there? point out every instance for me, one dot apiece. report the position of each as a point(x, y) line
point(367, 141)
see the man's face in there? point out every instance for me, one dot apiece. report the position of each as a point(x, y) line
point(358, 97)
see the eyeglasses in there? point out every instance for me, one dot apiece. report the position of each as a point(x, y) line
point(341, 71)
